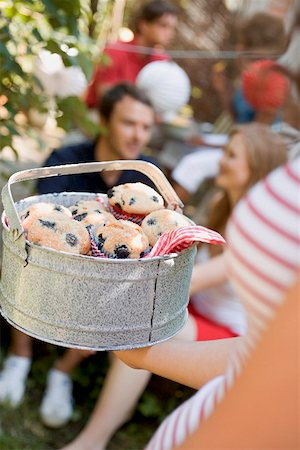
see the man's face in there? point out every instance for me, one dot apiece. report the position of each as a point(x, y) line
point(159, 32)
point(129, 128)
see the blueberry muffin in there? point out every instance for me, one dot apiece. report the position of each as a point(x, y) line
point(120, 240)
point(43, 208)
point(157, 222)
point(134, 198)
point(60, 233)
point(95, 218)
point(84, 207)
point(131, 224)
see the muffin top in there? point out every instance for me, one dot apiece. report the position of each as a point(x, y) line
point(41, 208)
point(121, 240)
point(135, 198)
point(157, 222)
point(60, 233)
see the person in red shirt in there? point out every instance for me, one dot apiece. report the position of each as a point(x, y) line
point(155, 27)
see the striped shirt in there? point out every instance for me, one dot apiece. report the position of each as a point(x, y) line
point(263, 258)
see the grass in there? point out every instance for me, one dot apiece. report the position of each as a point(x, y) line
point(21, 428)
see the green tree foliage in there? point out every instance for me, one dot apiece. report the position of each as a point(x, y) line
point(26, 28)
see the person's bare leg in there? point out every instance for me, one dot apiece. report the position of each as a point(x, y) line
point(121, 391)
point(71, 359)
point(21, 344)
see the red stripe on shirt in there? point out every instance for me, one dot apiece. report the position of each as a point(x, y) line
point(201, 413)
point(270, 224)
point(291, 174)
point(279, 199)
point(215, 398)
point(165, 427)
point(175, 427)
point(251, 240)
point(258, 296)
point(187, 421)
point(272, 281)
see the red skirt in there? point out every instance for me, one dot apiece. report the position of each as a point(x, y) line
point(207, 330)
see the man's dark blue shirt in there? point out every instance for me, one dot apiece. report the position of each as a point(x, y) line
point(87, 182)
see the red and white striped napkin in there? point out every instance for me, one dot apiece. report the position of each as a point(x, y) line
point(179, 239)
point(94, 248)
point(120, 214)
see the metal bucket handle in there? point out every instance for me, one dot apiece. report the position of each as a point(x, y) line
point(149, 169)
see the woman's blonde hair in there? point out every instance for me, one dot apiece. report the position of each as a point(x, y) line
point(266, 150)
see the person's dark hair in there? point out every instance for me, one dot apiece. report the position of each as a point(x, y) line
point(262, 31)
point(153, 10)
point(117, 93)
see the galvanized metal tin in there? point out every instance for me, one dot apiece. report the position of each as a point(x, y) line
point(86, 302)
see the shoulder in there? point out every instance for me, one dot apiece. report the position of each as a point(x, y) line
point(118, 48)
point(135, 176)
point(149, 159)
point(160, 55)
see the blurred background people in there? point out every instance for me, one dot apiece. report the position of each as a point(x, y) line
point(155, 27)
point(252, 151)
point(266, 88)
point(126, 120)
point(262, 34)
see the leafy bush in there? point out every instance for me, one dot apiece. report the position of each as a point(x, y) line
point(26, 28)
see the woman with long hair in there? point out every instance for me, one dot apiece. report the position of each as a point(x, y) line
point(253, 151)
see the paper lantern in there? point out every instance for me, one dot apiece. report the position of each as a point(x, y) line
point(264, 86)
point(57, 79)
point(166, 84)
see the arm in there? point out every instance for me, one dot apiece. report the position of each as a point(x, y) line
point(262, 408)
point(208, 274)
point(177, 359)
